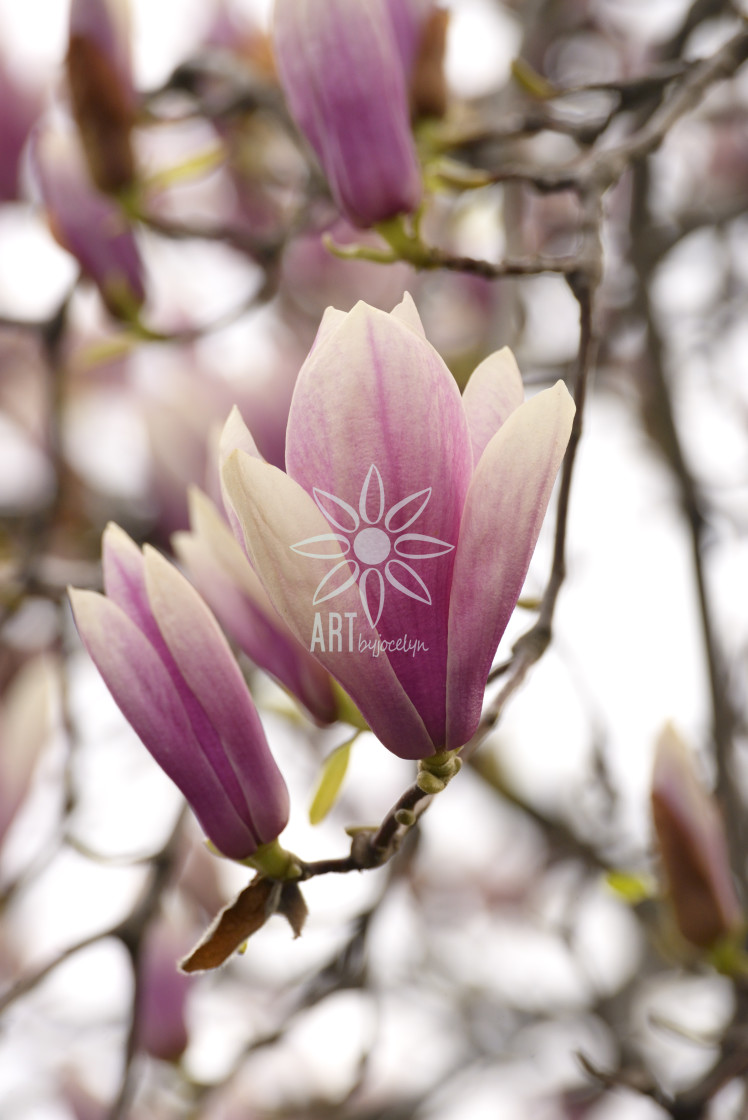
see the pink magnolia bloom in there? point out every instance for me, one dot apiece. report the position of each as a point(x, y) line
point(396, 546)
point(692, 842)
point(87, 223)
point(342, 75)
point(172, 674)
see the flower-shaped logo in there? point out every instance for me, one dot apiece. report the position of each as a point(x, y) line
point(373, 535)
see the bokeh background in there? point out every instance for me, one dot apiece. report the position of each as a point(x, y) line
point(495, 967)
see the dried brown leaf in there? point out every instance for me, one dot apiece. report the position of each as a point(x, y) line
point(293, 907)
point(234, 924)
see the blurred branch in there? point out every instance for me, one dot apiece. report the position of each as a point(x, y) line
point(129, 931)
point(661, 424)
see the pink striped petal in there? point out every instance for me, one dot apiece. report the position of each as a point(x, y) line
point(406, 312)
point(275, 512)
point(209, 670)
point(504, 510)
point(149, 700)
point(375, 400)
point(232, 589)
point(493, 392)
point(235, 436)
point(344, 84)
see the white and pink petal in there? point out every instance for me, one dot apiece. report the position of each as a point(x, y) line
point(503, 514)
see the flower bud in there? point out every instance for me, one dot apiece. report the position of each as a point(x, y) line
point(161, 1027)
point(342, 74)
point(87, 223)
point(693, 847)
point(173, 676)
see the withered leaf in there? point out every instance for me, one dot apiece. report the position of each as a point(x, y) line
point(293, 907)
point(234, 924)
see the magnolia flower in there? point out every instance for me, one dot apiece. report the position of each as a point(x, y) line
point(172, 674)
point(161, 1026)
point(396, 546)
point(693, 846)
point(342, 74)
point(87, 223)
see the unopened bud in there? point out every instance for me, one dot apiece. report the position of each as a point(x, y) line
point(692, 843)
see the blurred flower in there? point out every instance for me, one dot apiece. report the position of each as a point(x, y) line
point(342, 74)
point(87, 223)
point(161, 1028)
point(224, 577)
point(25, 715)
point(172, 674)
point(693, 847)
point(19, 109)
point(396, 546)
point(314, 278)
point(184, 408)
point(101, 88)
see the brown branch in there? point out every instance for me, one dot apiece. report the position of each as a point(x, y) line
point(129, 931)
point(659, 415)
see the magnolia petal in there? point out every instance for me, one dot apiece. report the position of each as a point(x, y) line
point(334, 508)
point(209, 669)
point(253, 624)
point(124, 582)
point(406, 312)
point(331, 320)
point(373, 488)
point(235, 436)
point(237, 597)
point(423, 595)
point(493, 392)
point(344, 85)
point(274, 510)
point(210, 526)
point(504, 510)
point(147, 697)
point(439, 549)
